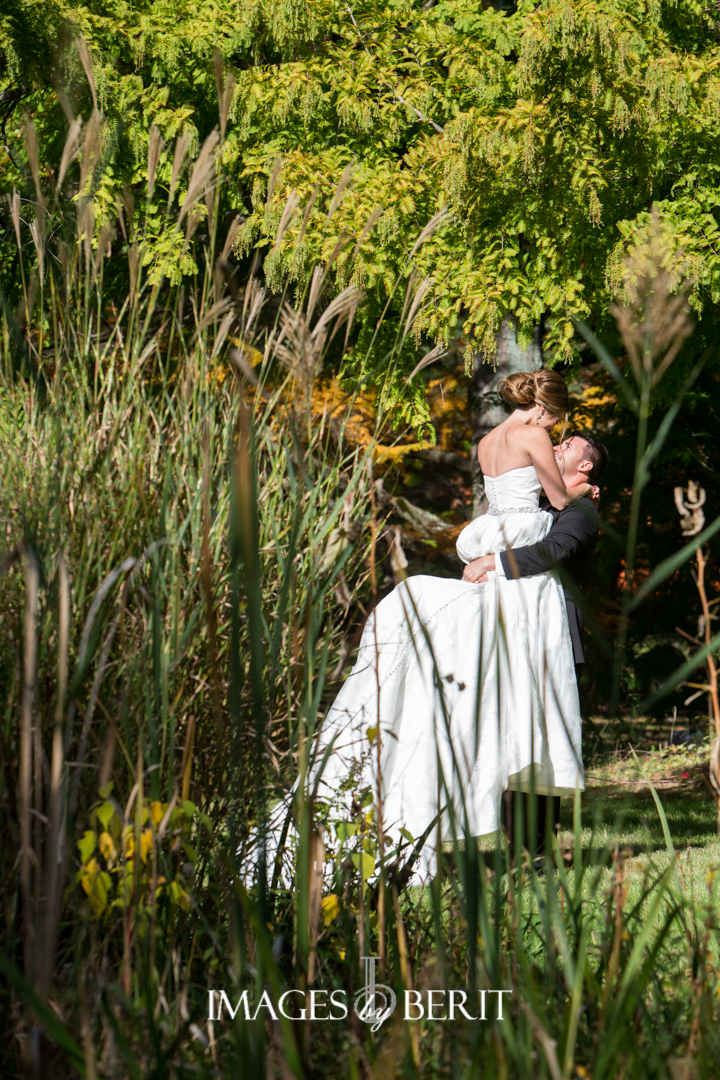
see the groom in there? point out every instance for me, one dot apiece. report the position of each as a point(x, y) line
point(569, 544)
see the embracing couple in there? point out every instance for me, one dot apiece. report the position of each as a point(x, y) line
point(465, 690)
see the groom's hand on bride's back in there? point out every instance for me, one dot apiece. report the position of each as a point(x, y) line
point(477, 571)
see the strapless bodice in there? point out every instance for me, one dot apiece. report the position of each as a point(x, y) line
point(513, 492)
point(513, 519)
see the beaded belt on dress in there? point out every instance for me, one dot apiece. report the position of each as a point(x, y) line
point(496, 511)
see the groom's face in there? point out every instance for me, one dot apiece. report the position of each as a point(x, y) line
point(570, 455)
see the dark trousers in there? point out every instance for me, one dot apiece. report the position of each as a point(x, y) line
point(518, 824)
point(517, 811)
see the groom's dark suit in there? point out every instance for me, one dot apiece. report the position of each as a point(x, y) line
point(569, 544)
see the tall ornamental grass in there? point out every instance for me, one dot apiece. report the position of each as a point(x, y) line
point(184, 546)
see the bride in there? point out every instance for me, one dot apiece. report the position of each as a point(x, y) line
point(463, 689)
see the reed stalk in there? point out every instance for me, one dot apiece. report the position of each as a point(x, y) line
point(182, 643)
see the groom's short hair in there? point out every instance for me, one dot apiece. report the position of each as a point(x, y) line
point(594, 452)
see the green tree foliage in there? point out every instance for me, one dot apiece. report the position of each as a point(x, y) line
point(535, 141)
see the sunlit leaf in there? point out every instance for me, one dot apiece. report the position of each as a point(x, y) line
point(87, 845)
point(330, 908)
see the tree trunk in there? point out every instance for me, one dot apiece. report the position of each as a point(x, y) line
point(486, 407)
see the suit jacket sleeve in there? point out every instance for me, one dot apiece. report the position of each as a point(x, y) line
point(571, 530)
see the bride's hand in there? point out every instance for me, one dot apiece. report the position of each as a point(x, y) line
point(585, 491)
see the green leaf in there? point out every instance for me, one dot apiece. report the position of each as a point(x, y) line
point(104, 813)
point(86, 846)
point(366, 867)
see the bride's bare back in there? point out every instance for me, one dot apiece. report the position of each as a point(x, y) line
point(524, 438)
point(510, 446)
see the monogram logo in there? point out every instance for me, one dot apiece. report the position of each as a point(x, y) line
point(374, 1002)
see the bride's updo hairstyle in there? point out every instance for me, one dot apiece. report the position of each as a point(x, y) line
point(528, 388)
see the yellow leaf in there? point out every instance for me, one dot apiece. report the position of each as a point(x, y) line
point(372, 735)
point(107, 848)
point(146, 840)
point(128, 842)
point(179, 895)
point(96, 884)
point(157, 812)
point(330, 908)
point(92, 869)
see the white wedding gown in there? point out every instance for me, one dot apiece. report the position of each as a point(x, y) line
point(472, 686)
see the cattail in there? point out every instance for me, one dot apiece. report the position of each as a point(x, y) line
point(181, 148)
point(27, 305)
point(134, 267)
point(252, 304)
point(340, 308)
point(423, 289)
point(654, 321)
point(210, 206)
point(412, 278)
point(70, 149)
point(367, 229)
point(255, 309)
point(223, 331)
point(214, 313)
point(225, 91)
point(300, 350)
point(129, 206)
point(65, 105)
point(201, 174)
point(430, 228)
point(317, 282)
point(226, 103)
point(320, 273)
point(86, 61)
point(308, 210)
point(340, 190)
point(231, 237)
point(37, 230)
point(85, 223)
point(274, 175)
point(435, 353)
point(102, 247)
point(91, 148)
point(14, 204)
point(31, 148)
point(291, 204)
point(155, 148)
point(194, 219)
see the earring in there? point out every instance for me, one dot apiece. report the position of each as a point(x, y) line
point(540, 415)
